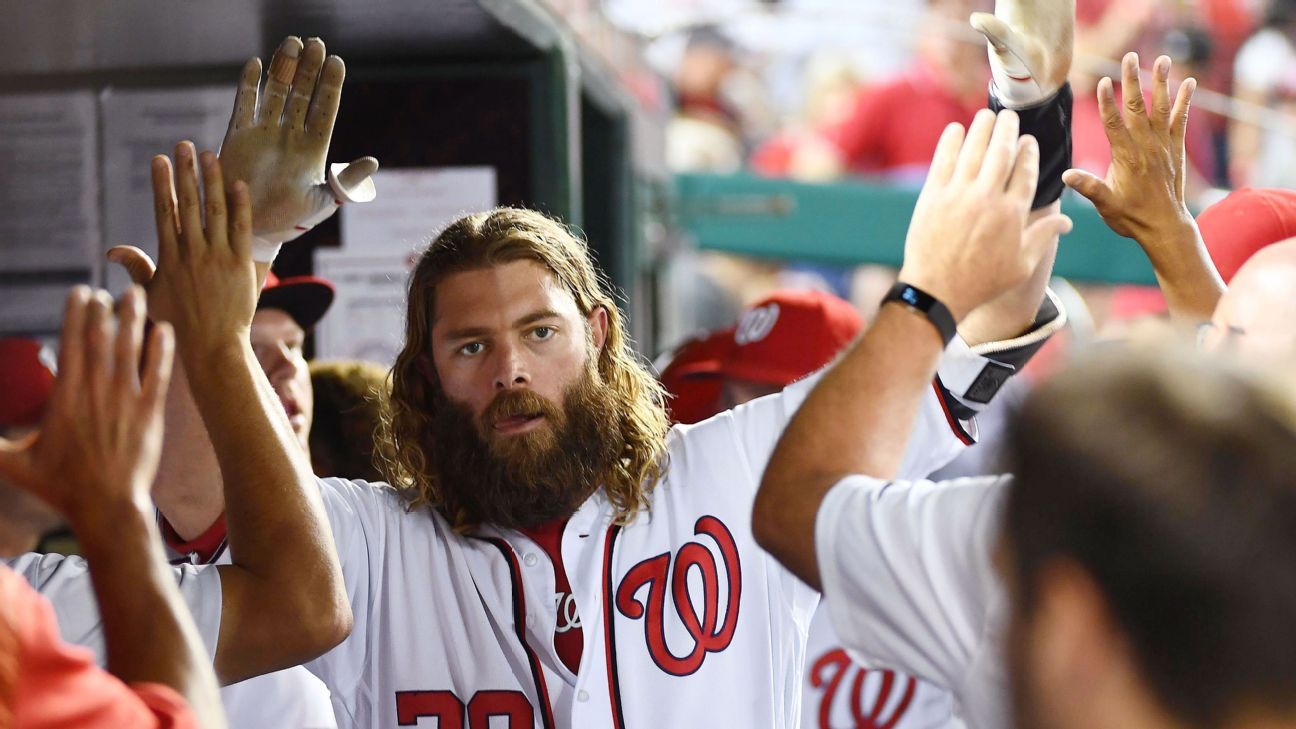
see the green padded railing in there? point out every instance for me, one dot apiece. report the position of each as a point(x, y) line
point(849, 223)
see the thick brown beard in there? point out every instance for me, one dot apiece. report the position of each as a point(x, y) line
point(522, 480)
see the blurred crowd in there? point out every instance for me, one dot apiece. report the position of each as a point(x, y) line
point(731, 115)
point(839, 121)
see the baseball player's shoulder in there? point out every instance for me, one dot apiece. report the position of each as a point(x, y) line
point(375, 503)
point(43, 571)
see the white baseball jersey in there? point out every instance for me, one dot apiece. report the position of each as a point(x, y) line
point(289, 699)
point(839, 692)
point(65, 582)
point(909, 581)
point(685, 621)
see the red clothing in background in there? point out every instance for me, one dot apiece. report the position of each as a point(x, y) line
point(48, 684)
point(894, 126)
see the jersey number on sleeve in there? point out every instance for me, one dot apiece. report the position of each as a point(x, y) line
point(450, 712)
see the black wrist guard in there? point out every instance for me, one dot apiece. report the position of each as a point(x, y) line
point(1050, 123)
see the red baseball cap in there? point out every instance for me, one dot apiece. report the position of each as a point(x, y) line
point(305, 298)
point(1234, 229)
point(782, 338)
point(694, 399)
point(26, 380)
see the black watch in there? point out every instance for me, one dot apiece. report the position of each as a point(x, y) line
point(927, 305)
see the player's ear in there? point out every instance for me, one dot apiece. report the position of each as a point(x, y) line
point(598, 324)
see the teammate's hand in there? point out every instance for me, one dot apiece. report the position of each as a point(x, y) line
point(1030, 44)
point(98, 444)
point(1142, 196)
point(206, 282)
point(278, 142)
point(968, 241)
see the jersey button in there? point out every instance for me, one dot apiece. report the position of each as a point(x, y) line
point(531, 560)
point(582, 695)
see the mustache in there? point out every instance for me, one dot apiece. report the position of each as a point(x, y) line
point(512, 403)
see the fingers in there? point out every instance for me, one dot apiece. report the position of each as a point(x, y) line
point(997, 33)
point(1113, 123)
point(1159, 114)
point(214, 195)
point(1132, 92)
point(137, 263)
point(1039, 236)
point(1090, 186)
point(164, 208)
point(189, 203)
point(282, 69)
point(303, 85)
point(328, 94)
point(240, 231)
point(1001, 152)
point(355, 180)
point(158, 361)
point(97, 361)
point(245, 99)
point(1179, 115)
point(71, 354)
point(974, 147)
point(1025, 171)
point(14, 466)
point(947, 154)
point(130, 338)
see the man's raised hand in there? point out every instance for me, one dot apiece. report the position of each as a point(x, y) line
point(968, 241)
point(98, 444)
point(1030, 46)
point(1142, 196)
point(278, 140)
point(206, 282)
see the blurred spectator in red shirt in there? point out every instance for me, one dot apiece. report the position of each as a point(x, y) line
point(892, 128)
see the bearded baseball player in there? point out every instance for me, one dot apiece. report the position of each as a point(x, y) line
point(547, 553)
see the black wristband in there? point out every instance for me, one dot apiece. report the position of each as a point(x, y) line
point(927, 305)
point(1050, 123)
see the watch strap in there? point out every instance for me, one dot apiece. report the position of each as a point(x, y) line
point(927, 305)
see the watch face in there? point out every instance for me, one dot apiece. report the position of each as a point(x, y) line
point(910, 296)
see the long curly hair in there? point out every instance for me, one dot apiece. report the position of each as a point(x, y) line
point(491, 238)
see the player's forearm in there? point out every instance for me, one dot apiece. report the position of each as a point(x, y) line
point(857, 420)
point(290, 582)
point(1187, 276)
point(187, 489)
point(148, 633)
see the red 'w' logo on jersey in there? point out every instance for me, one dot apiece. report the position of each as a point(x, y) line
point(711, 632)
point(829, 673)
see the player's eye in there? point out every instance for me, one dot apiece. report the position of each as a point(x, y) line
point(543, 333)
point(472, 348)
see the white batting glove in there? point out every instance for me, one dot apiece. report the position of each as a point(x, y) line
point(1030, 43)
point(278, 145)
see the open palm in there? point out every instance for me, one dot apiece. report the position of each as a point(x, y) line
point(99, 441)
point(278, 141)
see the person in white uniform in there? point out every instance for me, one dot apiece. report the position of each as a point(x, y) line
point(547, 553)
point(1135, 569)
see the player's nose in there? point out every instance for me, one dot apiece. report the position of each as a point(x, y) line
point(511, 369)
